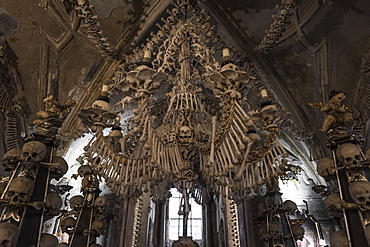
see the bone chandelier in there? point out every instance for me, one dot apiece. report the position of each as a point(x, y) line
point(190, 127)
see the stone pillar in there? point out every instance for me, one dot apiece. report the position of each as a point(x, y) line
point(159, 224)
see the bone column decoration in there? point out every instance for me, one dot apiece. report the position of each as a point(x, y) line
point(344, 172)
point(27, 201)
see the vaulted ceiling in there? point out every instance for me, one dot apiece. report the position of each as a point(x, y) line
point(320, 49)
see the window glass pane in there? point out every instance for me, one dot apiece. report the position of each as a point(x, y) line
point(176, 220)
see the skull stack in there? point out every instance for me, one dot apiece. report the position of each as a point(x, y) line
point(348, 189)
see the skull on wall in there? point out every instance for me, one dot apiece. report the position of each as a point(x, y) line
point(324, 166)
point(263, 233)
point(84, 170)
point(68, 225)
point(333, 202)
point(11, 159)
point(19, 191)
point(262, 208)
point(101, 104)
point(360, 193)
point(99, 226)
point(270, 203)
point(349, 154)
point(101, 204)
point(339, 239)
point(275, 229)
point(76, 202)
point(298, 231)
point(8, 234)
point(53, 203)
point(48, 240)
point(290, 207)
point(61, 170)
point(185, 135)
point(33, 151)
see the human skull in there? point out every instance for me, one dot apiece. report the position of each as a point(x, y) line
point(160, 35)
point(263, 233)
point(360, 193)
point(283, 14)
point(53, 203)
point(275, 229)
point(324, 166)
point(76, 202)
point(48, 240)
point(11, 159)
point(84, 170)
point(288, 4)
point(101, 104)
point(349, 154)
point(333, 202)
point(33, 151)
point(19, 191)
point(100, 204)
point(200, 18)
point(262, 208)
point(68, 225)
point(8, 234)
point(61, 170)
point(170, 20)
point(99, 226)
point(166, 28)
point(339, 239)
point(298, 231)
point(270, 203)
point(175, 12)
point(290, 207)
point(185, 135)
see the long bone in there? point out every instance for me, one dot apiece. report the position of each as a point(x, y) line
point(178, 158)
point(238, 175)
point(196, 103)
point(125, 179)
point(133, 169)
point(241, 112)
point(173, 164)
point(253, 175)
point(269, 162)
point(122, 171)
point(236, 148)
point(229, 149)
point(137, 174)
point(145, 129)
point(276, 154)
point(226, 153)
point(222, 162)
point(112, 175)
point(212, 153)
point(240, 128)
point(165, 158)
point(240, 142)
point(187, 101)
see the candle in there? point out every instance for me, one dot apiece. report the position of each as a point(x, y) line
point(264, 93)
point(147, 54)
point(225, 52)
point(105, 88)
